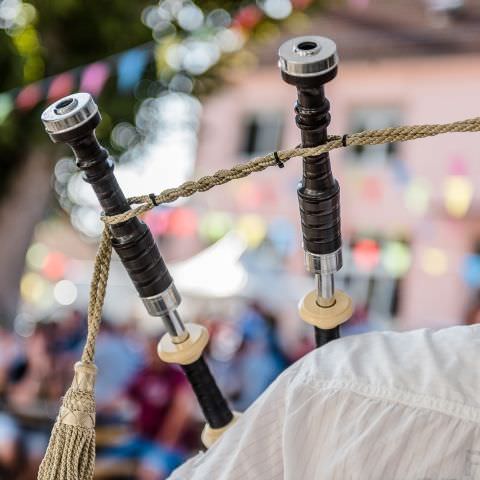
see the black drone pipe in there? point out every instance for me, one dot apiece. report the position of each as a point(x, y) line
point(309, 63)
point(72, 120)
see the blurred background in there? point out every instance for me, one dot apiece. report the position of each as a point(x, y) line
point(186, 88)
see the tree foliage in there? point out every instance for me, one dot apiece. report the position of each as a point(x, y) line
point(57, 35)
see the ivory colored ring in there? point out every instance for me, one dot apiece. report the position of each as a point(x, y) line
point(326, 318)
point(211, 435)
point(186, 352)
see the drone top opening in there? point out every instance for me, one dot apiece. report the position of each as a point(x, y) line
point(306, 46)
point(64, 106)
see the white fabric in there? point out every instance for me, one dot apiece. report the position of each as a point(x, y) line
point(377, 406)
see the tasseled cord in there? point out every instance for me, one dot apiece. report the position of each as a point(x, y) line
point(71, 449)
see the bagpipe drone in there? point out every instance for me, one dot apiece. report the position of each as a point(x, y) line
point(307, 63)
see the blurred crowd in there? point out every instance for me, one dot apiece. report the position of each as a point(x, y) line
point(147, 419)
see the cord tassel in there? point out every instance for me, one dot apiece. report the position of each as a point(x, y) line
point(71, 450)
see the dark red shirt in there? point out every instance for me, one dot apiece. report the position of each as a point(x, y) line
point(153, 391)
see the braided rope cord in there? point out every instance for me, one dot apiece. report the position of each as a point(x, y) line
point(187, 189)
point(98, 288)
point(368, 137)
point(71, 450)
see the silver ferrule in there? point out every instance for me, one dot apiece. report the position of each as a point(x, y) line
point(165, 305)
point(308, 56)
point(325, 289)
point(324, 264)
point(68, 113)
point(163, 302)
point(175, 327)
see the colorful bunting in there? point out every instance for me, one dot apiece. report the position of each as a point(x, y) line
point(183, 222)
point(214, 225)
point(396, 258)
point(434, 261)
point(366, 254)
point(252, 229)
point(457, 166)
point(417, 196)
point(94, 78)
point(247, 17)
point(29, 97)
point(130, 68)
point(458, 195)
point(282, 234)
point(471, 270)
point(6, 106)
point(61, 86)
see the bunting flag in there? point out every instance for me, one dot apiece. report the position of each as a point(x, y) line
point(6, 106)
point(29, 97)
point(94, 78)
point(131, 67)
point(61, 86)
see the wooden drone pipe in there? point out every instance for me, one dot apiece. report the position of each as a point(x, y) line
point(72, 120)
point(309, 63)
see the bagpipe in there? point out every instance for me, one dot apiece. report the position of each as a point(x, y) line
point(307, 63)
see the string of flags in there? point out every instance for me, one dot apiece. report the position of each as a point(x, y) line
point(129, 67)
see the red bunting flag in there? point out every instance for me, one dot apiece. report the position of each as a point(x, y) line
point(28, 97)
point(61, 86)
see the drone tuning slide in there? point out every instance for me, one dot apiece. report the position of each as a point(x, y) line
point(308, 63)
point(72, 120)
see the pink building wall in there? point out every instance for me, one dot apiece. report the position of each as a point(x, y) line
point(426, 90)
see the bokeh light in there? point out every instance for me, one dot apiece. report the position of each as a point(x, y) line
point(36, 256)
point(65, 292)
point(252, 229)
point(32, 287)
point(214, 225)
point(277, 9)
point(190, 17)
point(366, 254)
point(434, 261)
point(396, 258)
point(417, 196)
point(458, 195)
point(471, 270)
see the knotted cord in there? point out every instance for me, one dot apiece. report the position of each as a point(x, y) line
point(74, 428)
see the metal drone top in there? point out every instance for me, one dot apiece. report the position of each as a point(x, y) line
point(308, 56)
point(69, 113)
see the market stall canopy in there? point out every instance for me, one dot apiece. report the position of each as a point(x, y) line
point(215, 272)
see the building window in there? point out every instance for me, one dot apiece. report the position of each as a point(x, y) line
point(262, 133)
point(373, 118)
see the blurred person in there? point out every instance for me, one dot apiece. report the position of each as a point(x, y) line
point(10, 447)
point(28, 393)
point(223, 352)
point(118, 358)
point(160, 394)
point(380, 405)
point(70, 332)
point(24, 393)
point(10, 352)
point(261, 358)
